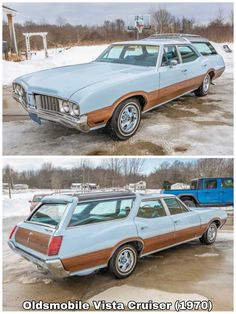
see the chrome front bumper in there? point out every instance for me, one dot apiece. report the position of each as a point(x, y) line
point(54, 266)
point(80, 123)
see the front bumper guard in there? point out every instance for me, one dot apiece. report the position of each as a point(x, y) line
point(54, 266)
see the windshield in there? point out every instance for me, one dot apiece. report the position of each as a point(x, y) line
point(141, 55)
point(99, 211)
point(49, 214)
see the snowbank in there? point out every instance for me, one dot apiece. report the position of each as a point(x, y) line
point(75, 55)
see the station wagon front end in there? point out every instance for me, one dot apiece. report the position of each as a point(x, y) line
point(75, 236)
point(125, 81)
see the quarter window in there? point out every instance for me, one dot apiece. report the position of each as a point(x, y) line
point(99, 211)
point(151, 209)
point(211, 184)
point(227, 183)
point(187, 54)
point(175, 207)
point(169, 53)
point(49, 214)
point(205, 48)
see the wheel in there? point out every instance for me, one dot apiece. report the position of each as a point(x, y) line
point(123, 261)
point(209, 236)
point(204, 88)
point(189, 202)
point(125, 120)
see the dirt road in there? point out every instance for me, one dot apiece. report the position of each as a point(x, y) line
point(181, 271)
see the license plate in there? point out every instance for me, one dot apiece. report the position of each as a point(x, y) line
point(35, 118)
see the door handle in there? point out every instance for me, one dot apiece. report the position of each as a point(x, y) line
point(184, 71)
point(204, 65)
point(144, 227)
point(176, 221)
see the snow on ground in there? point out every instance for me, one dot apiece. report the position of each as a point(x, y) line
point(74, 55)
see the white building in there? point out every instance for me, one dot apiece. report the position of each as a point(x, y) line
point(20, 187)
point(139, 186)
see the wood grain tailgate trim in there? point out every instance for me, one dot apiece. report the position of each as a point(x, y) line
point(34, 240)
point(152, 99)
point(102, 257)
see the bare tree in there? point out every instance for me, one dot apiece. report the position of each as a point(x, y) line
point(162, 21)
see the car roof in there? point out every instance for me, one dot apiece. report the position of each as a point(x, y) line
point(151, 42)
point(103, 195)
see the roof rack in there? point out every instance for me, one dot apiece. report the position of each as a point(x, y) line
point(171, 35)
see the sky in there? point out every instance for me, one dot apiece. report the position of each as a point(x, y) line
point(96, 13)
point(29, 163)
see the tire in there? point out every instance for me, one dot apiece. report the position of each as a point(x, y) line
point(125, 120)
point(189, 202)
point(205, 86)
point(123, 261)
point(209, 236)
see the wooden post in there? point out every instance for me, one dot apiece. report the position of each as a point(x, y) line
point(12, 33)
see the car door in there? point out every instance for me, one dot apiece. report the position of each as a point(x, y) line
point(210, 194)
point(154, 226)
point(170, 76)
point(194, 65)
point(226, 190)
point(187, 223)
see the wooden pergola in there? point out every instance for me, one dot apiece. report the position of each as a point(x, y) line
point(10, 13)
point(27, 42)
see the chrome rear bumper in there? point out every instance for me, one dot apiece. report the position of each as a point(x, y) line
point(54, 266)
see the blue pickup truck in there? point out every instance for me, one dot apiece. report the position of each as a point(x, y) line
point(207, 192)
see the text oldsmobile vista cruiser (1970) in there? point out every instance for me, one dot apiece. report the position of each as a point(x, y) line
point(75, 236)
point(126, 80)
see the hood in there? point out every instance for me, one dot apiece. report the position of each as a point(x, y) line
point(65, 81)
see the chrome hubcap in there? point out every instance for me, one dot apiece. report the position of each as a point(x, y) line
point(125, 261)
point(206, 83)
point(211, 233)
point(129, 118)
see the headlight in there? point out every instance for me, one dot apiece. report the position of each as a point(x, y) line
point(65, 107)
point(75, 109)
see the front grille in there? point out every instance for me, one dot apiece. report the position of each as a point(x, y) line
point(48, 103)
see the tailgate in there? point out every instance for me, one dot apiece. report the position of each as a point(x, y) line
point(33, 238)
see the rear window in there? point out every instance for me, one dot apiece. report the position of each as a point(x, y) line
point(206, 49)
point(99, 211)
point(49, 214)
point(227, 183)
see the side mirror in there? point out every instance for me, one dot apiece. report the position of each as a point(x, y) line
point(173, 63)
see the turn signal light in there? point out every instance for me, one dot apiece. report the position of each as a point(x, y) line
point(54, 245)
point(12, 232)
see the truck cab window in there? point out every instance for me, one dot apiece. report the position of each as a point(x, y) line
point(211, 184)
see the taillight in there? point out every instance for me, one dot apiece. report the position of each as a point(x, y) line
point(54, 245)
point(12, 232)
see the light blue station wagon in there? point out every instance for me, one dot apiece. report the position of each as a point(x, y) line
point(77, 235)
point(125, 81)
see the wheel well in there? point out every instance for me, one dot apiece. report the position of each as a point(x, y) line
point(217, 222)
point(212, 74)
point(137, 244)
point(141, 100)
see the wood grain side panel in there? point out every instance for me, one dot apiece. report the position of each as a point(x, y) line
point(154, 98)
point(34, 240)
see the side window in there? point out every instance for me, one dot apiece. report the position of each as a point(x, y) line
point(151, 209)
point(175, 207)
point(205, 48)
point(99, 211)
point(187, 54)
point(227, 183)
point(211, 184)
point(169, 53)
